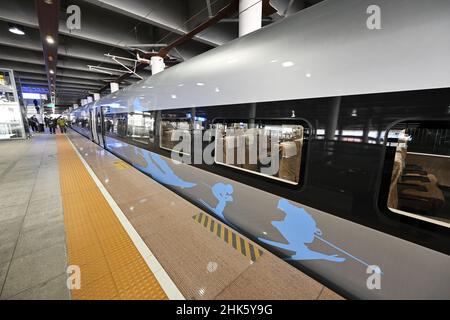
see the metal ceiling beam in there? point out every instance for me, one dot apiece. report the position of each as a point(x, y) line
point(22, 55)
point(168, 14)
point(48, 17)
point(36, 76)
point(96, 21)
point(227, 11)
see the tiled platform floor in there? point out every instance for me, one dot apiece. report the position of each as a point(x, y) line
point(32, 238)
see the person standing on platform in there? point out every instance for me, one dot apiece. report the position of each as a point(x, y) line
point(52, 125)
point(33, 124)
point(62, 124)
point(46, 121)
point(40, 122)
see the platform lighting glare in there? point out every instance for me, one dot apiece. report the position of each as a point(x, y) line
point(173, 96)
point(16, 30)
point(52, 72)
point(181, 84)
point(217, 89)
point(50, 39)
point(287, 64)
point(273, 61)
point(143, 87)
point(200, 84)
point(308, 75)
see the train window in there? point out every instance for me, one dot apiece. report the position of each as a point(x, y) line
point(135, 126)
point(141, 126)
point(250, 147)
point(420, 181)
point(167, 138)
point(116, 123)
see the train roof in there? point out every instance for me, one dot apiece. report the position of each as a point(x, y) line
point(325, 50)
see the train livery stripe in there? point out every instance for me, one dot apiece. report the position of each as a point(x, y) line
point(233, 239)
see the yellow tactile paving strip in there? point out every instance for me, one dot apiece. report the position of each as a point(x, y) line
point(111, 266)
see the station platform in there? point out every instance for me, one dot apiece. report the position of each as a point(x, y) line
point(71, 211)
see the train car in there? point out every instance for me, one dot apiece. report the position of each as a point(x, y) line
point(361, 197)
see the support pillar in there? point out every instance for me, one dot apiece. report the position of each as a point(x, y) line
point(114, 87)
point(157, 64)
point(250, 16)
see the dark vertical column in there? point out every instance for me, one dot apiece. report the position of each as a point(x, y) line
point(333, 117)
point(252, 115)
point(379, 130)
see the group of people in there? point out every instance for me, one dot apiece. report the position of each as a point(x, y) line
point(50, 122)
point(35, 124)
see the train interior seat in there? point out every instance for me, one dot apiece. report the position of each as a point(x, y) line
point(413, 188)
point(289, 149)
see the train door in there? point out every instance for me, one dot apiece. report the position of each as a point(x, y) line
point(99, 127)
point(92, 123)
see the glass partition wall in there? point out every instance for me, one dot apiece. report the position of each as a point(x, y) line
point(11, 119)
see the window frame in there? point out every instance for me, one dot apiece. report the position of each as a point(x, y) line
point(177, 119)
point(307, 131)
point(125, 138)
point(384, 192)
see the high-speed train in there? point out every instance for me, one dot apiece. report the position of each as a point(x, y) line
point(361, 197)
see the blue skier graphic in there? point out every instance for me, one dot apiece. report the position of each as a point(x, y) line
point(223, 193)
point(160, 170)
point(299, 229)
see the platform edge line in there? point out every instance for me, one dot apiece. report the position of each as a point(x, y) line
point(164, 280)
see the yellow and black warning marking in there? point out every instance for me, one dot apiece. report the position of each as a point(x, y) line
point(121, 165)
point(226, 234)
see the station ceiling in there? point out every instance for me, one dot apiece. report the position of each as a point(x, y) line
point(113, 27)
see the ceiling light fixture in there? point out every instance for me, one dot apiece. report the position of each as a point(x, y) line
point(50, 39)
point(51, 71)
point(16, 30)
